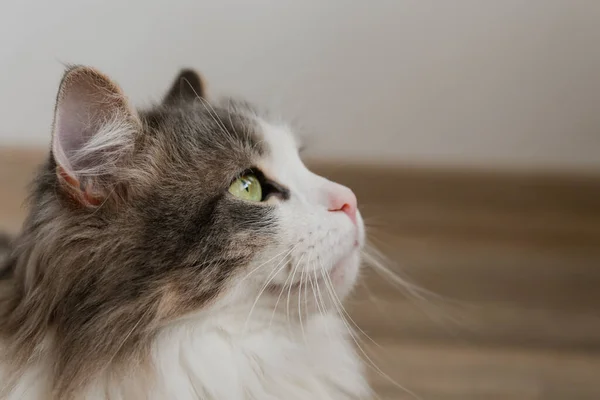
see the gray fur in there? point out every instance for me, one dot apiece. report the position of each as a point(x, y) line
point(163, 243)
point(5, 250)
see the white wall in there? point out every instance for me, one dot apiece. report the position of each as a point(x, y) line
point(496, 83)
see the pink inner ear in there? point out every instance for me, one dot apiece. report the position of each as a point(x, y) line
point(91, 123)
point(79, 109)
point(94, 129)
point(72, 131)
point(68, 136)
point(80, 193)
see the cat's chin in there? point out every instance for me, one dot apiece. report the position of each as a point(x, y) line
point(341, 278)
point(344, 273)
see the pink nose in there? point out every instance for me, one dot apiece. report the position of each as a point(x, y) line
point(343, 199)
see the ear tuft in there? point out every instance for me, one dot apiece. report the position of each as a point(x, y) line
point(188, 86)
point(94, 130)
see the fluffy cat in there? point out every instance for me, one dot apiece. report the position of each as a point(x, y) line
point(179, 252)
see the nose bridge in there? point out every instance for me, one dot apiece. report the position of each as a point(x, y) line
point(306, 186)
point(324, 190)
point(318, 190)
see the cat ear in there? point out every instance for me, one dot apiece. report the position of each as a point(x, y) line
point(94, 131)
point(187, 86)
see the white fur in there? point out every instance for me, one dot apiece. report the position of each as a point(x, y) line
point(212, 360)
point(256, 342)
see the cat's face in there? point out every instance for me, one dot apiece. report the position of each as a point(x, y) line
point(192, 205)
point(319, 233)
point(321, 229)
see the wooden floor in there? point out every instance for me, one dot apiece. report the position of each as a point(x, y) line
point(511, 263)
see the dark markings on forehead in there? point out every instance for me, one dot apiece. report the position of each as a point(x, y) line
point(207, 126)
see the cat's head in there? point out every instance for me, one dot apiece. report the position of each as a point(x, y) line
point(188, 205)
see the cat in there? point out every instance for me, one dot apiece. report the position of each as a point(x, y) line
point(182, 251)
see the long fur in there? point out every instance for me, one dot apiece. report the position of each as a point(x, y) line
point(168, 286)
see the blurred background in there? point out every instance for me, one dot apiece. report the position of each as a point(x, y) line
point(469, 129)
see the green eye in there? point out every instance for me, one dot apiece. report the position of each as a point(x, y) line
point(246, 187)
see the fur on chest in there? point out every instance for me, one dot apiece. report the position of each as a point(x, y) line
point(217, 362)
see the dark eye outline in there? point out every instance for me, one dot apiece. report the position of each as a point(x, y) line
point(269, 187)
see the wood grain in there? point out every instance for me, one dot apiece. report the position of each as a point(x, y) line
point(512, 261)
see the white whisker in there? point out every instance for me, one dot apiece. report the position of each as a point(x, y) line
point(370, 362)
point(268, 261)
point(270, 278)
point(290, 288)
point(279, 298)
point(420, 297)
point(347, 316)
point(299, 298)
point(215, 117)
point(323, 309)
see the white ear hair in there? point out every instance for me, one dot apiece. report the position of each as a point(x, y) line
point(94, 126)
